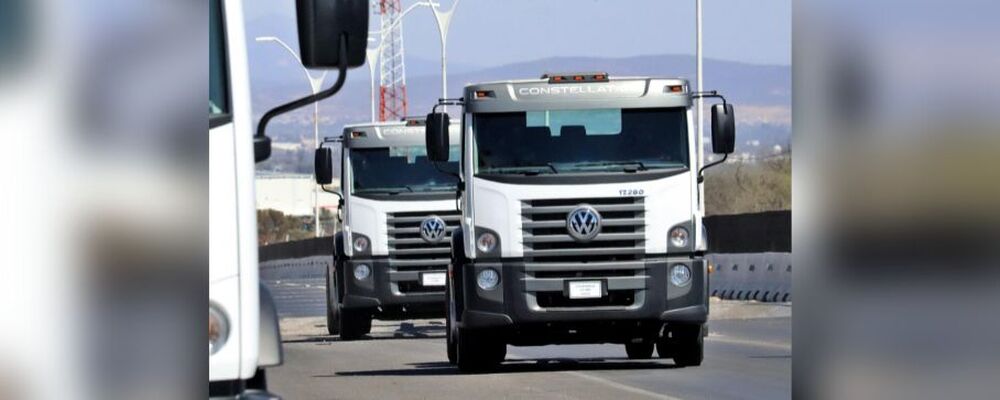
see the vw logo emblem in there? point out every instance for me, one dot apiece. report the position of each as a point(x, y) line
point(583, 223)
point(432, 229)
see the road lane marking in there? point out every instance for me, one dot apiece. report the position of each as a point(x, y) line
point(729, 340)
point(619, 386)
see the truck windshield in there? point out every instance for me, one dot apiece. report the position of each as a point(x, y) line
point(404, 169)
point(561, 141)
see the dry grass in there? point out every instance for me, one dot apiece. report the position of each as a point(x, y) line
point(736, 188)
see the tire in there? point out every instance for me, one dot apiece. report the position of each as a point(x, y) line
point(449, 326)
point(258, 381)
point(640, 351)
point(354, 324)
point(686, 345)
point(479, 351)
point(332, 304)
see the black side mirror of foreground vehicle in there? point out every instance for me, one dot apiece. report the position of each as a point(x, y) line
point(324, 166)
point(723, 128)
point(261, 148)
point(321, 25)
point(436, 131)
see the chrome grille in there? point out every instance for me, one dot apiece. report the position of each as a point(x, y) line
point(615, 256)
point(408, 251)
point(622, 236)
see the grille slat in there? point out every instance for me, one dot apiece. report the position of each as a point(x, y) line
point(396, 220)
point(568, 238)
point(415, 231)
point(606, 222)
point(420, 251)
point(567, 208)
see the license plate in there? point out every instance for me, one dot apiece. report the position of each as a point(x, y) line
point(585, 290)
point(432, 279)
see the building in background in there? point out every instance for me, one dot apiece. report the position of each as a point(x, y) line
point(292, 194)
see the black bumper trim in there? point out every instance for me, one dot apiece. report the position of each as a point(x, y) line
point(381, 288)
point(516, 303)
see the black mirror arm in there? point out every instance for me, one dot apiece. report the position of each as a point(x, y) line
point(449, 102)
point(701, 172)
point(711, 94)
point(292, 105)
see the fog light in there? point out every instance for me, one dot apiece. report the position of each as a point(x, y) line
point(486, 242)
point(679, 237)
point(680, 275)
point(488, 279)
point(360, 244)
point(218, 329)
point(362, 272)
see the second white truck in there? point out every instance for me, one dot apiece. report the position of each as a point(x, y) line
point(398, 211)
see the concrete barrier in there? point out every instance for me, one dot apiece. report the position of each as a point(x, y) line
point(752, 276)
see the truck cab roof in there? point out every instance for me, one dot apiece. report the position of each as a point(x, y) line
point(577, 91)
point(408, 132)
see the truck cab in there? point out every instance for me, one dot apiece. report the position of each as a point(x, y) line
point(243, 334)
point(244, 338)
point(581, 217)
point(398, 212)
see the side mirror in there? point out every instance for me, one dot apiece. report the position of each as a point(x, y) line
point(436, 131)
point(261, 148)
point(324, 166)
point(321, 25)
point(723, 129)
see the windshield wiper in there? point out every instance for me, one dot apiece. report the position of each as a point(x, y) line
point(639, 165)
point(528, 171)
point(390, 191)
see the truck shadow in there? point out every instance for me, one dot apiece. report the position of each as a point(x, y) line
point(405, 330)
point(518, 366)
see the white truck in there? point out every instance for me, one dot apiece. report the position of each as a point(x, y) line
point(399, 210)
point(243, 334)
point(581, 216)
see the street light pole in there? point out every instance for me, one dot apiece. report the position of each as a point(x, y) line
point(315, 84)
point(371, 55)
point(443, 19)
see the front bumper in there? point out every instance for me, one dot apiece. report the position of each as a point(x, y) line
point(391, 286)
point(535, 294)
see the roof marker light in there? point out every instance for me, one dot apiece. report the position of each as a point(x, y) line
point(577, 77)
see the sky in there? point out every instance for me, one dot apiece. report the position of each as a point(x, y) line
point(494, 32)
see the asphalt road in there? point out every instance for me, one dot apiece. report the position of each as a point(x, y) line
point(747, 355)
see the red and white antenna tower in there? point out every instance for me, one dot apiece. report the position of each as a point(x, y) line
point(392, 69)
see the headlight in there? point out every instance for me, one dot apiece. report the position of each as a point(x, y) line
point(680, 275)
point(679, 237)
point(362, 272)
point(360, 244)
point(488, 279)
point(486, 242)
point(218, 329)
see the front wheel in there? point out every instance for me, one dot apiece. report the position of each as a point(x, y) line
point(639, 351)
point(479, 350)
point(332, 304)
point(685, 344)
point(354, 323)
point(449, 306)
